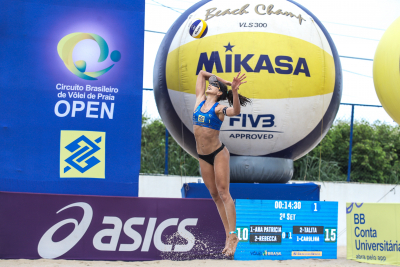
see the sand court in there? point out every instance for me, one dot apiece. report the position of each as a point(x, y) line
point(341, 261)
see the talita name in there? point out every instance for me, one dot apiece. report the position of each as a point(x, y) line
point(260, 9)
point(309, 230)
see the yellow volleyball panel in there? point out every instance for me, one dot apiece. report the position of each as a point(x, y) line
point(289, 63)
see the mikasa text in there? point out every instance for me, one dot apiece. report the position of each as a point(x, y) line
point(283, 64)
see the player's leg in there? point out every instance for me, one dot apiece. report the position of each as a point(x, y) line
point(222, 178)
point(207, 172)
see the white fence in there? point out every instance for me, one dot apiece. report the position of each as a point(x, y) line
point(170, 187)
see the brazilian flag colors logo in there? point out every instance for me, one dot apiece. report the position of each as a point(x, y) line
point(82, 154)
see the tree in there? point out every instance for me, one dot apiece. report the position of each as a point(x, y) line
point(375, 154)
point(153, 152)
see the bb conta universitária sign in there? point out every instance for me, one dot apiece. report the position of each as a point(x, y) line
point(373, 233)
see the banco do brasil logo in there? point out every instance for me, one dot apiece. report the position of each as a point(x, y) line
point(66, 47)
point(82, 154)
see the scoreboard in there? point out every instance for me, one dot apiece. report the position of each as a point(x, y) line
point(283, 229)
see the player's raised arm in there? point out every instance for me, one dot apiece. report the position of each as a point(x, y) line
point(201, 86)
point(237, 99)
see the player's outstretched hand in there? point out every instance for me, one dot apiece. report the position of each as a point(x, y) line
point(237, 81)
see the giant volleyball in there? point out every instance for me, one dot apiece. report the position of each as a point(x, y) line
point(294, 79)
point(387, 71)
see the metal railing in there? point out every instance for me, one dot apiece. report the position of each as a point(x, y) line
point(351, 133)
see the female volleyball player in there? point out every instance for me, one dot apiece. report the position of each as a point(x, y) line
point(213, 155)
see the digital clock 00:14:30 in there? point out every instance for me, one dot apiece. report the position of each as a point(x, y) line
point(296, 205)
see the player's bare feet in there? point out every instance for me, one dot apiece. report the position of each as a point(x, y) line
point(233, 241)
point(226, 245)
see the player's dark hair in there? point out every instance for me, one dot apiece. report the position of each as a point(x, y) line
point(227, 94)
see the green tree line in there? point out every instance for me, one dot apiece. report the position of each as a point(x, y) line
point(153, 152)
point(375, 154)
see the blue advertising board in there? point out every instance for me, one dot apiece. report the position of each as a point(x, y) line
point(293, 191)
point(286, 229)
point(71, 96)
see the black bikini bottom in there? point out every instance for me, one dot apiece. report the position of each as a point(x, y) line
point(210, 157)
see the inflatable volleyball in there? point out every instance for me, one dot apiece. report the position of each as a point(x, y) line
point(198, 29)
point(294, 79)
point(387, 71)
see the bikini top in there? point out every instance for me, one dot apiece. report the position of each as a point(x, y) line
point(209, 119)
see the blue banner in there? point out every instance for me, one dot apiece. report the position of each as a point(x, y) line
point(71, 96)
point(300, 191)
point(286, 229)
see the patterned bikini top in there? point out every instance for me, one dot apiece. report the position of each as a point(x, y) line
point(209, 119)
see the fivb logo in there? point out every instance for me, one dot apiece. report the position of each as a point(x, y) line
point(253, 125)
point(66, 47)
point(82, 154)
point(49, 249)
